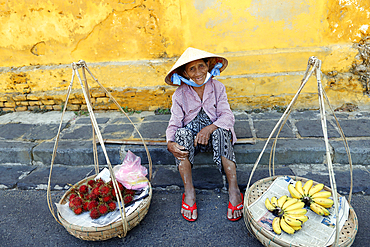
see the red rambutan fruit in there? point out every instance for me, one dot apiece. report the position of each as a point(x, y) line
point(105, 190)
point(84, 196)
point(76, 202)
point(92, 196)
point(92, 205)
point(112, 206)
point(121, 187)
point(83, 189)
point(94, 214)
point(103, 208)
point(73, 195)
point(107, 198)
point(130, 192)
point(84, 206)
point(91, 183)
point(114, 194)
point(78, 210)
point(110, 183)
point(127, 199)
point(99, 182)
point(95, 191)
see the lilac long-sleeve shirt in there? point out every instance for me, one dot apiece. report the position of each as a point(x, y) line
point(186, 105)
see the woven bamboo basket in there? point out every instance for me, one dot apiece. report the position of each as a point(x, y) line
point(126, 222)
point(344, 236)
point(347, 233)
point(113, 230)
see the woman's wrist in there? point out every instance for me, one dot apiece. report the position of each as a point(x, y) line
point(213, 127)
point(170, 145)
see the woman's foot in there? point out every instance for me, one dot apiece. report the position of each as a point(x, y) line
point(189, 207)
point(235, 198)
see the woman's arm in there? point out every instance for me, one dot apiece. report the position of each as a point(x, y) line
point(177, 117)
point(225, 117)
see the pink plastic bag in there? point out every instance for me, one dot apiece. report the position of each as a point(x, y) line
point(132, 174)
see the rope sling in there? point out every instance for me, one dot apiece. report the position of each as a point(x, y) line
point(97, 137)
point(315, 65)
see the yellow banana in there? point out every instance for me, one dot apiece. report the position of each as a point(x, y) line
point(289, 202)
point(274, 201)
point(326, 212)
point(281, 201)
point(325, 202)
point(268, 205)
point(286, 228)
point(296, 228)
point(322, 194)
point(301, 211)
point(319, 209)
point(291, 221)
point(301, 217)
point(276, 225)
point(298, 187)
point(315, 189)
point(297, 205)
point(307, 186)
point(293, 192)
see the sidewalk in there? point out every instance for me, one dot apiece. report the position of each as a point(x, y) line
point(27, 141)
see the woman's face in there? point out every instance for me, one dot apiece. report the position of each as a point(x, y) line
point(197, 71)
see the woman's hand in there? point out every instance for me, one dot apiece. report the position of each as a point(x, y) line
point(204, 135)
point(177, 150)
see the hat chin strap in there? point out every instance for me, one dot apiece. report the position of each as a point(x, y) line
point(177, 79)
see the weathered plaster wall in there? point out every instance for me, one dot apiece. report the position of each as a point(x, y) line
point(130, 45)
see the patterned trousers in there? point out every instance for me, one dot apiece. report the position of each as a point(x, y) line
point(219, 142)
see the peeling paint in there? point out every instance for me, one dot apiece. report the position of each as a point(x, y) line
point(274, 11)
point(348, 19)
point(202, 6)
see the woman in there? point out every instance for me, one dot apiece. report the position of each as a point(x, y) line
point(201, 121)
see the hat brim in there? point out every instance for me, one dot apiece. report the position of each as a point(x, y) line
point(192, 54)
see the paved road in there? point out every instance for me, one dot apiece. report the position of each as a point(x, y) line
point(26, 221)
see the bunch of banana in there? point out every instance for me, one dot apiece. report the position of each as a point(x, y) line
point(289, 212)
point(312, 196)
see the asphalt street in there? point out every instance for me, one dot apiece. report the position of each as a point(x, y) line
point(25, 220)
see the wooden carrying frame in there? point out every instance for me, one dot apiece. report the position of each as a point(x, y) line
point(121, 227)
point(257, 189)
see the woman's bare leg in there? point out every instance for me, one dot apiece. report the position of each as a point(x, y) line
point(234, 192)
point(185, 172)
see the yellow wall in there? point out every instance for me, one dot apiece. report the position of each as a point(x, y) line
point(131, 44)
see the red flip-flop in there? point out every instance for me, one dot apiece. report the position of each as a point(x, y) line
point(187, 207)
point(233, 208)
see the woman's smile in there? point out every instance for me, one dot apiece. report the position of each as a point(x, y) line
point(197, 71)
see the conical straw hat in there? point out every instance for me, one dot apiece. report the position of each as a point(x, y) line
point(192, 54)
